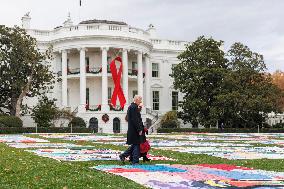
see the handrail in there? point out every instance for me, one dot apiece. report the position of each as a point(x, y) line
point(75, 111)
point(154, 114)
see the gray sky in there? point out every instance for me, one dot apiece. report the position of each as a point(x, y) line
point(256, 23)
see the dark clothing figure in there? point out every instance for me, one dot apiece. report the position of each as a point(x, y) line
point(142, 137)
point(133, 137)
point(134, 125)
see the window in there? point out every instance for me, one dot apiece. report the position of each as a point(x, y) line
point(87, 96)
point(174, 100)
point(68, 64)
point(135, 92)
point(108, 59)
point(134, 66)
point(108, 62)
point(87, 60)
point(156, 100)
point(155, 70)
point(109, 94)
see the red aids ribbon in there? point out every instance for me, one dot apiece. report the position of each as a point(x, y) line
point(116, 76)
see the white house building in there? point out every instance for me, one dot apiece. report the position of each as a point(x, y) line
point(82, 54)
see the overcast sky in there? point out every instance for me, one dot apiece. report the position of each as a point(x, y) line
point(256, 23)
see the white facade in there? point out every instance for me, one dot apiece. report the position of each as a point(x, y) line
point(89, 47)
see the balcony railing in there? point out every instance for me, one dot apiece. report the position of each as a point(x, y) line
point(115, 108)
point(73, 71)
point(91, 29)
point(93, 70)
point(134, 72)
point(93, 107)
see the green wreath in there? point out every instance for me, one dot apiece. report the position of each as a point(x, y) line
point(105, 118)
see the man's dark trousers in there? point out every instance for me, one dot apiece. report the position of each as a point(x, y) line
point(134, 151)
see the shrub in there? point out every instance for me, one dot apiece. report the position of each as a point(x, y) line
point(278, 125)
point(170, 124)
point(15, 130)
point(44, 112)
point(10, 121)
point(226, 130)
point(77, 122)
point(170, 120)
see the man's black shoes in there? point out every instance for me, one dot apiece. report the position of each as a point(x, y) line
point(122, 158)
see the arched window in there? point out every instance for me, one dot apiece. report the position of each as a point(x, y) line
point(116, 125)
point(93, 124)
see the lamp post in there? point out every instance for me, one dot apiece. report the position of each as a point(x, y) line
point(261, 113)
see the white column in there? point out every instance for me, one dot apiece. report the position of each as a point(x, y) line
point(140, 74)
point(82, 107)
point(147, 82)
point(125, 76)
point(105, 106)
point(64, 79)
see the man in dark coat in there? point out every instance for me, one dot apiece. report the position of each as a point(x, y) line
point(134, 132)
point(143, 136)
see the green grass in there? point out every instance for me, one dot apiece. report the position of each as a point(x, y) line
point(21, 169)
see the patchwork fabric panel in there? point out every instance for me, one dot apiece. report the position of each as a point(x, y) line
point(19, 139)
point(84, 137)
point(233, 152)
point(43, 145)
point(86, 154)
point(196, 176)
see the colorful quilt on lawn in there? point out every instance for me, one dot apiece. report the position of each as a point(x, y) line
point(225, 137)
point(19, 139)
point(207, 176)
point(86, 154)
point(176, 143)
point(84, 137)
point(233, 152)
point(43, 145)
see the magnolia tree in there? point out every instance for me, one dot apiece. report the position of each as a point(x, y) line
point(24, 69)
point(229, 88)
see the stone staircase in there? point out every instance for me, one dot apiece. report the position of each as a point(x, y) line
point(155, 122)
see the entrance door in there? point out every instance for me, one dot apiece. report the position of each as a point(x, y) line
point(116, 125)
point(93, 124)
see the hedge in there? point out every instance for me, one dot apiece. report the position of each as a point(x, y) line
point(171, 124)
point(226, 130)
point(77, 122)
point(10, 121)
point(15, 130)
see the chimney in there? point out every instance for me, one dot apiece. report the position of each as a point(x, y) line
point(152, 30)
point(26, 21)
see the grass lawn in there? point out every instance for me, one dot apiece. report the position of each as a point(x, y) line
point(20, 169)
